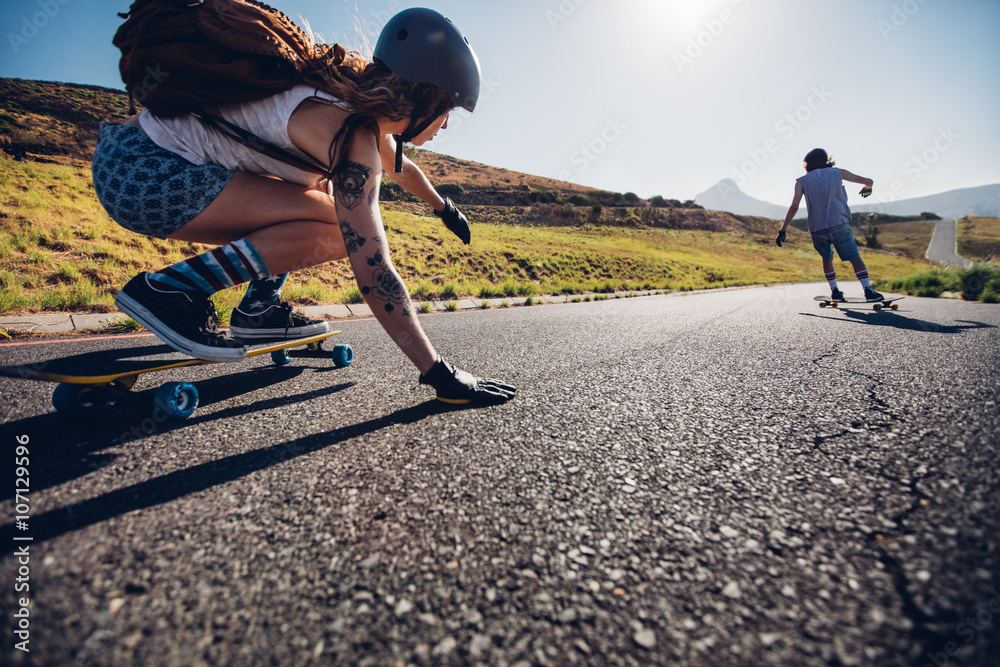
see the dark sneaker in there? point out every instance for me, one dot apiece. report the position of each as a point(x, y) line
point(187, 324)
point(871, 295)
point(277, 323)
point(836, 295)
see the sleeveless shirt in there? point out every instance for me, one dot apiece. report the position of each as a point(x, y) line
point(826, 199)
point(267, 118)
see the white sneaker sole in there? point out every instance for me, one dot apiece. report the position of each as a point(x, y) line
point(279, 334)
point(140, 314)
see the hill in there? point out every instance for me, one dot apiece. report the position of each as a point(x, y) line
point(981, 201)
point(727, 196)
point(45, 120)
point(59, 250)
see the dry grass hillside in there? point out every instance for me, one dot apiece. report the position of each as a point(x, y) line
point(59, 250)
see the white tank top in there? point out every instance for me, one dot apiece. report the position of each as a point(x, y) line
point(826, 199)
point(267, 118)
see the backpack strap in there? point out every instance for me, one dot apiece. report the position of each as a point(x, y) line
point(254, 142)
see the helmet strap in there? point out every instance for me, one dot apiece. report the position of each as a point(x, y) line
point(414, 130)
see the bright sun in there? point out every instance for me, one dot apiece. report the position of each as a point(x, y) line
point(685, 15)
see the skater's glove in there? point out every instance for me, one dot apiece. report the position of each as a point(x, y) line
point(460, 388)
point(781, 238)
point(866, 192)
point(455, 221)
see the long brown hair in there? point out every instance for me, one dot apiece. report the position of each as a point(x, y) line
point(369, 91)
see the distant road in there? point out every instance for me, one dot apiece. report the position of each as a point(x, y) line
point(943, 248)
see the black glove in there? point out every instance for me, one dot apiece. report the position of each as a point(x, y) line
point(781, 238)
point(461, 388)
point(865, 192)
point(455, 221)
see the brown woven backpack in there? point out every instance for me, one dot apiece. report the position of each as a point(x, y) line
point(180, 55)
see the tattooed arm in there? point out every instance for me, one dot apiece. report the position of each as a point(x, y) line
point(412, 178)
point(355, 192)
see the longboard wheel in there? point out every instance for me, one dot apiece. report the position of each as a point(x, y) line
point(833, 304)
point(281, 357)
point(822, 304)
point(74, 398)
point(177, 400)
point(342, 355)
point(894, 306)
point(877, 306)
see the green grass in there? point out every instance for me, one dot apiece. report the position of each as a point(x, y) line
point(981, 282)
point(59, 251)
point(979, 238)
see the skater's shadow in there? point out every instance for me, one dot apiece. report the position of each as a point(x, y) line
point(888, 318)
point(203, 476)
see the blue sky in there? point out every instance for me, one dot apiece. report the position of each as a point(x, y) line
point(662, 96)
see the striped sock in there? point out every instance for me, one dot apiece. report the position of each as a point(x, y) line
point(214, 270)
point(832, 279)
point(863, 277)
point(262, 293)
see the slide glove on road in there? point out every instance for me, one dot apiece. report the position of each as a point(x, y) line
point(781, 238)
point(460, 388)
point(455, 221)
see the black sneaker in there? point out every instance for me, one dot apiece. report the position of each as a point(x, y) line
point(871, 295)
point(836, 295)
point(276, 323)
point(184, 323)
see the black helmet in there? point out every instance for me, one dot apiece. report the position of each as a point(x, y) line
point(422, 46)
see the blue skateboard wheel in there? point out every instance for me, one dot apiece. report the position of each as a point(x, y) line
point(177, 400)
point(342, 355)
point(72, 398)
point(281, 357)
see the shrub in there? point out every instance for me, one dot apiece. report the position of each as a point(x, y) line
point(930, 283)
point(452, 190)
point(975, 280)
point(545, 197)
point(353, 295)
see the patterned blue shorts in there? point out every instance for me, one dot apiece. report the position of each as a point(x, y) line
point(147, 189)
point(841, 238)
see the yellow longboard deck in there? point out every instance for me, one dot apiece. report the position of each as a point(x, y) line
point(106, 366)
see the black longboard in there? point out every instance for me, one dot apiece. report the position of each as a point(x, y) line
point(96, 379)
point(853, 302)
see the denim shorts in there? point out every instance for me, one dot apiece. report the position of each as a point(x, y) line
point(841, 238)
point(147, 189)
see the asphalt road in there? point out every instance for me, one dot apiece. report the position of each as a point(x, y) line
point(730, 478)
point(943, 247)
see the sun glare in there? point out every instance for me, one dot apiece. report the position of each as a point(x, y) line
point(682, 15)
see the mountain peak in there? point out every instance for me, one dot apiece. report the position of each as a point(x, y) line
point(727, 196)
point(983, 201)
